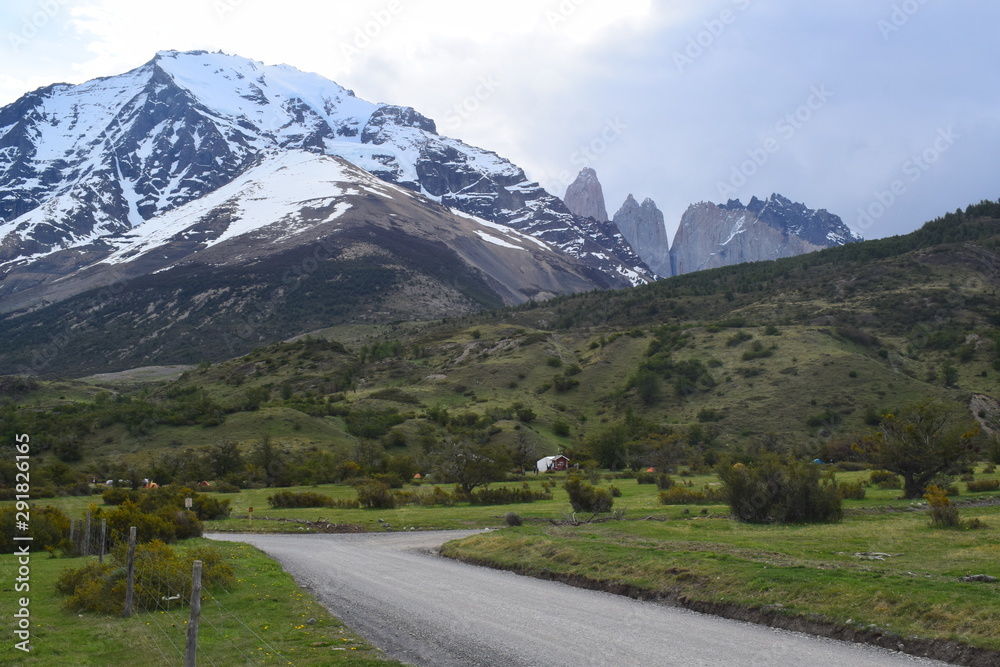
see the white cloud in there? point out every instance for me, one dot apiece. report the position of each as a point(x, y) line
point(541, 82)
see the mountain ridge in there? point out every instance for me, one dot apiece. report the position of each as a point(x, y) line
point(713, 235)
point(80, 162)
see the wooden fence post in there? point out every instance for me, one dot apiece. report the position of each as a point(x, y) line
point(130, 581)
point(86, 536)
point(104, 535)
point(191, 650)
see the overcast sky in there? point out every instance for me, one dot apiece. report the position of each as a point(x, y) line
point(885, 112)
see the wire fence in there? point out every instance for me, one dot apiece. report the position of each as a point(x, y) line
point(161, 593)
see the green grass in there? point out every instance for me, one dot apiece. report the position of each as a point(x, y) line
point(261, 619)
point(807, 570)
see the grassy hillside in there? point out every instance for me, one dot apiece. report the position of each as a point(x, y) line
point(803, 353)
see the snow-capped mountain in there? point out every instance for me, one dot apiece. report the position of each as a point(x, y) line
point(297, 242)
point(113, 155)
point(713, 235)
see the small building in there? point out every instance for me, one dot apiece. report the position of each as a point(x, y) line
point(553, 463)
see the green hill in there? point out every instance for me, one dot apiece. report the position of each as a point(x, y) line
point(803, 353)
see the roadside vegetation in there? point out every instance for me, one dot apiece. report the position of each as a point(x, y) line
point(807, 436)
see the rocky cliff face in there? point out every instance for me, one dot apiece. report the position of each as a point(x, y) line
point(712, 235)
point(585, 197)
point(642, 226)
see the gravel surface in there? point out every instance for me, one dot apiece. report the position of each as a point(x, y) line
point(422, 609)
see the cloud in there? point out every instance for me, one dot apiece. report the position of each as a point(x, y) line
point(664, 100)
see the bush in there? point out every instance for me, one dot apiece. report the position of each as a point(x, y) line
point(284, 499)
point(506, 496)
point(225, 487)
point(983, 485)
point(709, 415)
point(393, 480)
point(116, 495)
point(664, 481)
point(376, 495)
point(780, 490)
point(944, 513)
point(47, 527)
point(160, 574)
point(513, 519)
point(879, 477)
point(851, 490)
point(681, 495)
point(585, 497)
point(646, 477)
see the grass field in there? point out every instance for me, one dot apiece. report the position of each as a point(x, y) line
point(263, 618)
point(692, 552)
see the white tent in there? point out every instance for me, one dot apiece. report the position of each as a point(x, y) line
point(549, 463)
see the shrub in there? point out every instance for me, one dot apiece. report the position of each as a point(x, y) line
point(375, 495)
point(758, 351)
point(709, 415)
point(513, 519)
point(881, 476)
point(944, 513)
point(226, 487)
point(47, 528)
point(393, 480)
point(585, 497)
point(780, 490)
point(506, 496)
point(646, 477)
point(738, 339)
point(165, 524)
point(664, 481)
point(681, 495)
point(160, 574)
point(851, 490)
point(983, 485)
point(284, 499)
point(116, 495)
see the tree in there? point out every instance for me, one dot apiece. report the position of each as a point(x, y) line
point(608, 447)
point(269, 461)
point(471, 463)
point(917, 444)
point(224, 458)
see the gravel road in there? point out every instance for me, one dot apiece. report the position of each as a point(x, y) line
point(422, 609)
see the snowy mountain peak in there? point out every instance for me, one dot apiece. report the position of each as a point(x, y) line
point(80, 162)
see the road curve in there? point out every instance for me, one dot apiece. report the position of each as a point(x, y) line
point(422, 609)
